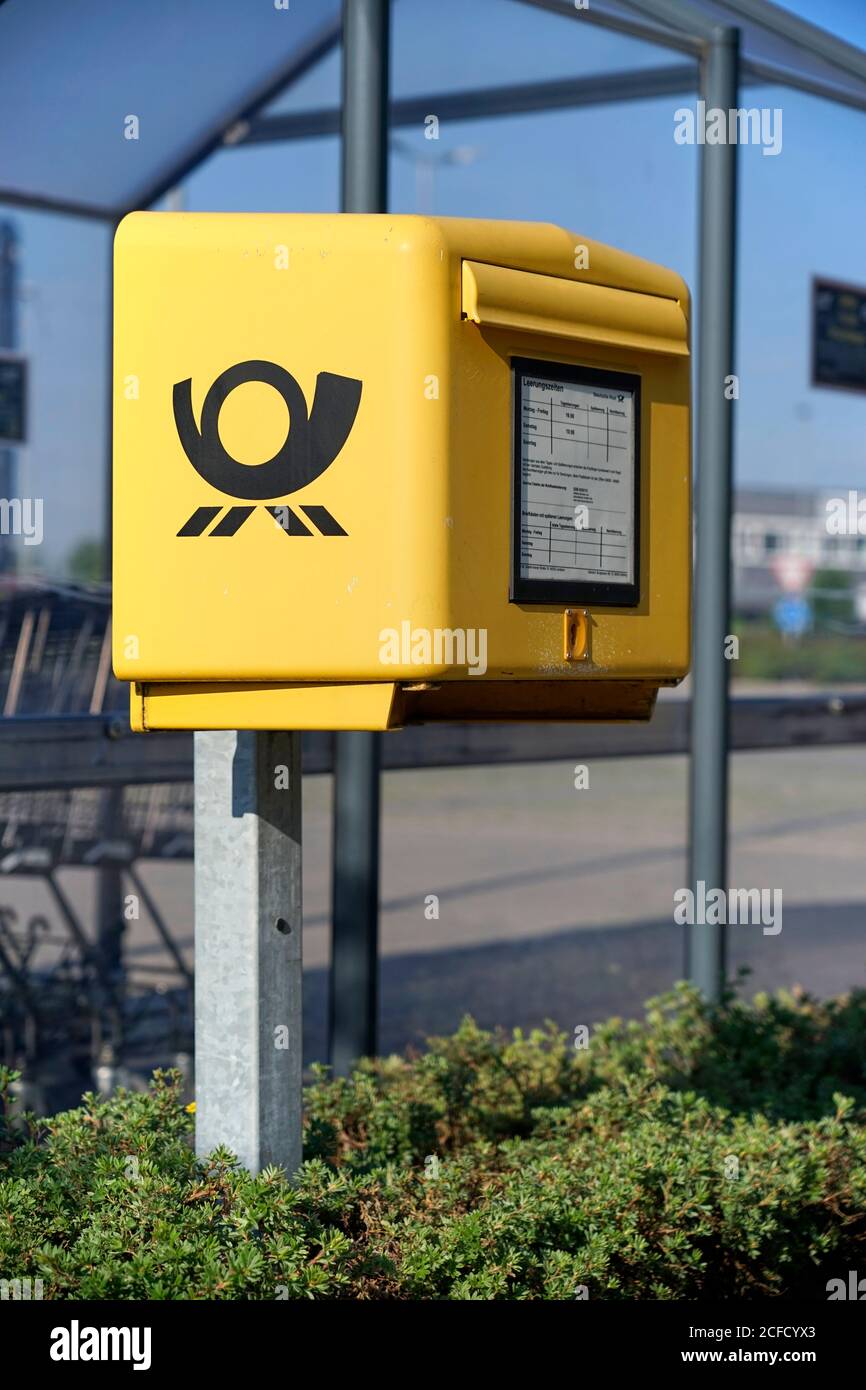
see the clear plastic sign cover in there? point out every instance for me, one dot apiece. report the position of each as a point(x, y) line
point(576, 479)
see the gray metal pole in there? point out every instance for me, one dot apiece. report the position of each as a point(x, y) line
point(706, 949)
point(355, 912)
point(109, 896)
point(108, 501)
point(366, 51)
point(353, 997)
point(8, 339)
point(248, 1018)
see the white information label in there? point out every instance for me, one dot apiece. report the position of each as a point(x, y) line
point(577, 482)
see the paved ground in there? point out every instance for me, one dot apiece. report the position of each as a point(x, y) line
point(557, 903)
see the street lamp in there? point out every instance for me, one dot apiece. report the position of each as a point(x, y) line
point(427, 162)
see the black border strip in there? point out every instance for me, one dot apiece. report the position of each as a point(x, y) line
point(554, 590)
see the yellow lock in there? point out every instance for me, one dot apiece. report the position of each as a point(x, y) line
point(373, 471)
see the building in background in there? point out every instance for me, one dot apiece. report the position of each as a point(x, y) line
point(773, 532)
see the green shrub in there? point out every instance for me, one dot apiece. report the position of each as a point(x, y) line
point(824, 655)
point(706, 1153)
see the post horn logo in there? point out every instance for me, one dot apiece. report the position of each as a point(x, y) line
point(313, 442)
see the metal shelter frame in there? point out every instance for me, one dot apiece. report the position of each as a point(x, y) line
point(707, 35)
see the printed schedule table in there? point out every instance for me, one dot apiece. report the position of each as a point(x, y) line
point(577, 443)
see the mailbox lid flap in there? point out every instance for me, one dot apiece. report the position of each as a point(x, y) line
point(497, 297)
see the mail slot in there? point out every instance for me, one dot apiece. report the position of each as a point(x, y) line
point(373, 471)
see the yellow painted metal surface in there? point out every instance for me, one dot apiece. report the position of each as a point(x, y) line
point(181, 706)
point(496, 297)
point(353, 375)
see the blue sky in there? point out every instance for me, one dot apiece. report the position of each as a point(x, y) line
point(612, 173)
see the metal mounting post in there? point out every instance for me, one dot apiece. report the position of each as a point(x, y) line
point(355, 911)
point(717, 285)
point(248, 1016)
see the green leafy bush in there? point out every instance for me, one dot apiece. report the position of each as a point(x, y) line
point(705, 1153)
point(824, 656)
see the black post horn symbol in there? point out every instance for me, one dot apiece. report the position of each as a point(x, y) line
point(311, 445)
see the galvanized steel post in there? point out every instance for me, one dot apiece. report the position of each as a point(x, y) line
point(248, 970)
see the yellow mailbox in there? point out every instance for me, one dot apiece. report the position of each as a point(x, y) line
point(373, 471)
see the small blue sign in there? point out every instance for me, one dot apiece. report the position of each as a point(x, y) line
point(792, 615)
